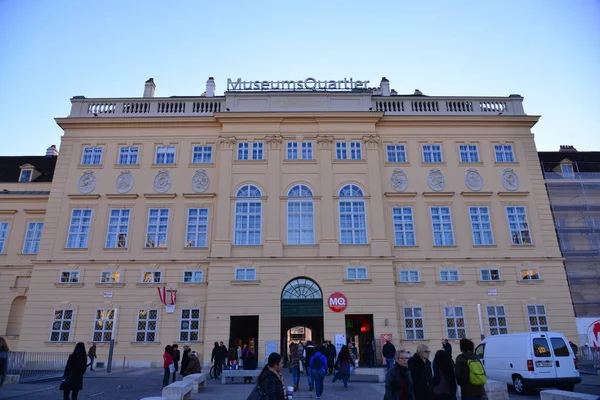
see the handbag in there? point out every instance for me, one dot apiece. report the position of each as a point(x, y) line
point(172, 368)
point(257, 393)
point(301, 366)
point(65, 383)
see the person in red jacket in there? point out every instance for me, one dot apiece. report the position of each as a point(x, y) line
point(167, 361)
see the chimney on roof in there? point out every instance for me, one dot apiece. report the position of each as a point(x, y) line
point(149, 88)
point(210, 87)
point(51, 151)
point(385, 86)
point(393, 92)
point(418, 92)
point(564, 148)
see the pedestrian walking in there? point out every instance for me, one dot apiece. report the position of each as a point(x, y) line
point(398, 383)
point(447, 348)
point(294, 359)
point(342, 365)
point(388, 351)
point(176, 359)
point(3, 360)
point(193, 364)
point(466, 366)
point(369, 353)
point(318, 366)
point(92, 356)
point(72, 380)
point(270, 381)
point(421, 373)
point(225, 353)
point(444, 379)
point(249, 364)
point(167, 364)
point(185, 359)
point(217, 359)
point(309, 351)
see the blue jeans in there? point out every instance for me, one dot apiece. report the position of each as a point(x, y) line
point(345, 379)
point(309, 374)
point(166, 377)
point(319, 377)
point(296, 375)
point(389, 363)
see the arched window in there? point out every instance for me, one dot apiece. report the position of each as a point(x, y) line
point(353, 216)
point(301, 289)
point(300, 216)
point(248, 216)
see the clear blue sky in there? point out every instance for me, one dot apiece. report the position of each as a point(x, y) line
point(547, 51)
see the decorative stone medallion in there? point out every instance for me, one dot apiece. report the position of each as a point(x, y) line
point(473, 180)
point(436, 180)
point(162, 181)
point(87, 182)
point(200, 181)
point(399, 180)
point(510, 180)
point(124, 182)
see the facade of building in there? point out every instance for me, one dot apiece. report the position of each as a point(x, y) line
point(352, 211)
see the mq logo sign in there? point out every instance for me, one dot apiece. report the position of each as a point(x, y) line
point(337, 302)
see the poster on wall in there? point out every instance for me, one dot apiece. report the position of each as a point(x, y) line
point(270, 347)
point(339, 341)
point(385, 337)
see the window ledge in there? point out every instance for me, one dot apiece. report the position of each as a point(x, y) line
point(522, 246)
point(163, 165)
point(195, 248)
point(101, 344)
point(530, 281)
point(396, 164)
point(192, 284)
point(116, 249)
point(415, 247)
point(311, 161)
point(68, 284)
point(471, 164)
point(500, 164)
point(91, 166)
point(240, 283)
point(140, 284)
point(442, 247)
point(361, 161)
point(485, 246)
point(75, 249)
point(357, 281)
point(59, 344)
point(433, 164)
point(246, 162)
point(27, 254)
point(410, 283)
point(127, 166)
point(155, 249)
point(454, 283)
point(358, 245)
point(490, 283)
point(110, 285)
point(203, 165)
point(144, 344)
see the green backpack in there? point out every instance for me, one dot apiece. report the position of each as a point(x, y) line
point(476, 373)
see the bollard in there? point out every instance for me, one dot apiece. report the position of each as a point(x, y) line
point(124, 358)
point(110, 355)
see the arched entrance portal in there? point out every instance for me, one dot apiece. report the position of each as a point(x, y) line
point(301, 306)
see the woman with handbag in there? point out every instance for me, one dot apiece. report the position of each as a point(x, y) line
point(444, 380)
point(270, 381)
point(72, 380)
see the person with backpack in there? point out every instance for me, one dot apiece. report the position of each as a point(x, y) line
point(318, 366)
point(270, 381)
point(421, 373)
point(444, 380)
point(309, 351)
point(470, 374)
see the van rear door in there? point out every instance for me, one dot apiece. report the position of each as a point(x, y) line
point(563, 358)
point(543, 361)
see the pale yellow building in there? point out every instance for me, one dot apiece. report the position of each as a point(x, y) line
point(259, 205)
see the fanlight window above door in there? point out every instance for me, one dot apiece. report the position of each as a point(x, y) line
point(300, 289)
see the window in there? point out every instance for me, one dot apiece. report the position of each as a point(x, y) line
point(128, 155)
point(560, 347)
point(3, 235)
point(61, 326)
point(504, 153)
point(497, 320)
point(146, 326)
point(79, 228)
point(197, 227)
point(25, 175)
point(413, 323)
point(69, 277)
point(469, 153)
point(348, 151)
point(189, 328)
point(299, 151)
point(396, 153)
point(455, 322)
point(541, 348)
point(158, 226)
point(404, 228)
point(118, 228)
point(411, 275)
point(530, 274)
point(251, 151)
point(300, 215)
point(193, 276)
point(538, 321)
point(518, 225)
point(164, 155)
point(104, 325)
point(110, 277)
point(248, 216)
point(432, 153)
point(245, 274)
point(353, 216)
point(356, 274)
point(33, 237)
point(92, 156)
point(152, 277)
point(449, 275)
point(567, 170)
point(202, 155)
point(481, 226)
point(488, 275)
point(441, 224)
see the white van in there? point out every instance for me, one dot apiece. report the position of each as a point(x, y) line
point(530, 360)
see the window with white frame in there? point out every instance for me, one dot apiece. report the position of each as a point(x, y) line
point(62, 322)
point(79, 228)
point(69, 277)
point(251, 151)
point(118, 228)
point(490, 274)
point(25, 175)
point(299, 151)
point(33, 236)
point(202, 155)
point(104, 325)
point(504, 153)
point(110, 277)
point(410, 276)
point(449, 275)
point(128, 155)
point(197, 227)
point(165, 155)
point(538, 321)
point(481, 226)
point(147, 324)
point(469, 153)
point(567, 170)
point(518, 225)
point(353, 215)
point(455, 322)
point(193, 276)
point(348, 151)
point(152, 277)
point(3, 235)
point(396, 153)
point(92, 155)
point(432, 153)
point(496, 316)
point(356, 273)
point(414, 329)
point(189, 328)
point(404, 226)
point(530, 274)
point(248, 216)
point(441, 224)
point(245, 274)
point(158, 226)
point(300, 215)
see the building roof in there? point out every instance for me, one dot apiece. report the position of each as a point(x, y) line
point(10, 167)
point(586, 161)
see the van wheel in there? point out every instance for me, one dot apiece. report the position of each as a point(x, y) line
point(568, 388)
point(519, 385)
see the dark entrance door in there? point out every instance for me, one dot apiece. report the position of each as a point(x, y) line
point(359, 330)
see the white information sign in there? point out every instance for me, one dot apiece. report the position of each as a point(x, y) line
point(339, 341)
point(270, 347)
point(492, 292)
point(108, 295)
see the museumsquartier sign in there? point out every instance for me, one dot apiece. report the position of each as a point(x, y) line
point(308, 84)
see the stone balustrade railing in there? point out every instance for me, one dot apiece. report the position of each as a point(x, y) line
point(399, 105)
point(145, 107)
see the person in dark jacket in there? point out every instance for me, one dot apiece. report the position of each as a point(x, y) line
point(468, 391)
point(176, 357)
point(447, 348)
point(369, 353)
point(318, 372)
point(92, 356)
point(249, 364)
point(421, 373)
point(193, 364)
point(270, 379)
point(185, 359)
point(388, 351)
point(309, 351)
point(3, 360)
point(398, 382)
point(217, 358)
point(225, 354)
point(72, 380)
point(330, 352)
point(343, 366)
point(444, 379)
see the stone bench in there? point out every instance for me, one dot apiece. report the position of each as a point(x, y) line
point(494, 390)
point(378, 373)
point(198, 381)
point(179, 390)
point(564, 395)
point(238, 373)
